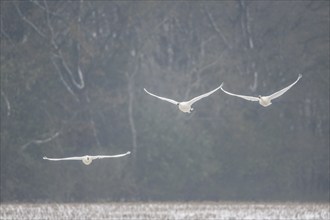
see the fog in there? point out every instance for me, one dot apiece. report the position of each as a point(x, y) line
point(72, 79)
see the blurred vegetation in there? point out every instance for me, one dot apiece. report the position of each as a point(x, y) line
point(72, 79)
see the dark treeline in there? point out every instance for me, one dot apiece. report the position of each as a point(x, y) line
point(72, 79)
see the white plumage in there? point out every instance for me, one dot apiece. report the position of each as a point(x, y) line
point(87, 159)
point(184, 106)
point(264, 100)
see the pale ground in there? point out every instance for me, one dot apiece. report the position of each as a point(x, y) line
point(167, 210)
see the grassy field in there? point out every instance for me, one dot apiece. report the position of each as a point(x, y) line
point(159, 211)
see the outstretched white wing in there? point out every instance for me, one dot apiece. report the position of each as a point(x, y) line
point(162, 98)
point(110, 156)
point(65, 158)
point(250, 98)
point(282, 91)
point(192, 101)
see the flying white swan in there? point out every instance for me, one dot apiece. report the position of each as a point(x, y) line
point(184, 106)
point(87, 159)
point(264, 100)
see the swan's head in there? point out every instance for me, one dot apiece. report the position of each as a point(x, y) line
point(259, 96)
point(87, 160)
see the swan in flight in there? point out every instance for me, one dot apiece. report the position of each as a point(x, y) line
point(265, 100)
point(186, 105)
point(87, 159)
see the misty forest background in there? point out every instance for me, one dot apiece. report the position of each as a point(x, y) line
point(72, 79)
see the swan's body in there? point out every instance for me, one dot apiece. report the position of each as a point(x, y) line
point(87, 159)
point(186, 105)
point(265, 100)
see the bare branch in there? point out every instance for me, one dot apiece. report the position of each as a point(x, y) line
point(7, 103)
point(95, 132)
point(63, 80)
point(92, 122)
point(44, 8)
point(40, 141)
point(130, 79)
point(217, 28)
point(59, 55)
point(203, 45)
point(29, 22)
point(79, 85)
point(248, 28)
point(255, 82)
point(81, 78)
point(245, 24)
point(3, 32)
point(151, 34)
point(198, 70)
point(50, 27)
